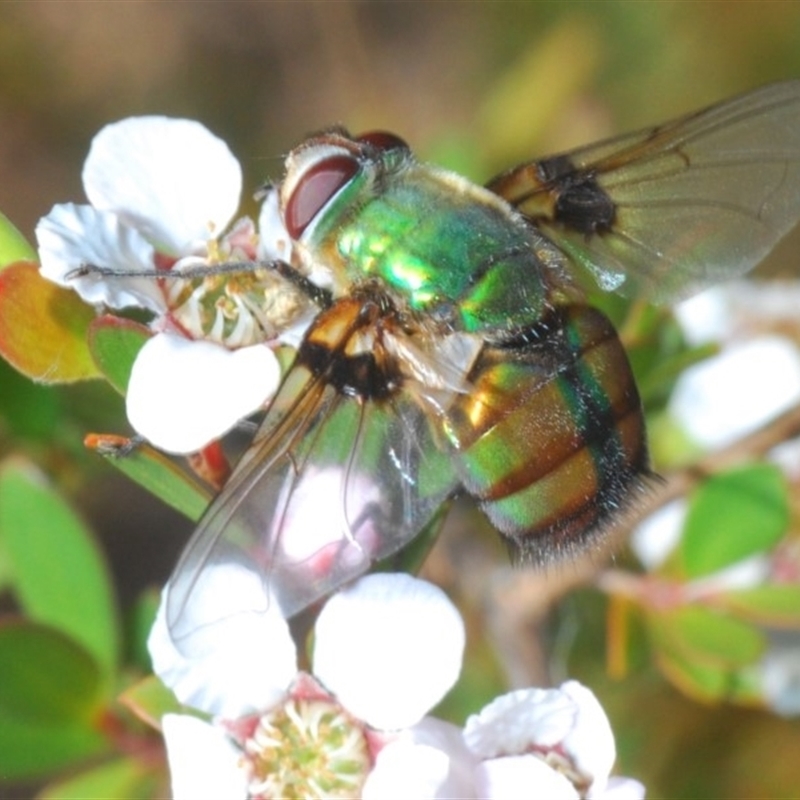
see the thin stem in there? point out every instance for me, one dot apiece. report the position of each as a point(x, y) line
point(681, 481)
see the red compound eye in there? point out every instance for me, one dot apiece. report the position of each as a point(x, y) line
point(319, 184)
point(383, 140)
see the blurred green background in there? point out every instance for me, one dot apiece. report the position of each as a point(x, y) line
point(477, 86)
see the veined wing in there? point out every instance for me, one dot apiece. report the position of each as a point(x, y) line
point(666, 211)
point(330, 485)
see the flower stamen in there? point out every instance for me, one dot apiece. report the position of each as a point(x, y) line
point(306, 748)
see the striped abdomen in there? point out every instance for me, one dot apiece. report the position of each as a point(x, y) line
point(551, 440)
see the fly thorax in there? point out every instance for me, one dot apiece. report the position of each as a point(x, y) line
point(346, 348)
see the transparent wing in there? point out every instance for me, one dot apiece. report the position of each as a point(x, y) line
point(666, 211)
point(329, 486)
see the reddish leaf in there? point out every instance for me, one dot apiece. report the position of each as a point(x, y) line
point(43, 327)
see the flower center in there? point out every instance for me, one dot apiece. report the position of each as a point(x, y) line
point(235, 309)
point(306, 749)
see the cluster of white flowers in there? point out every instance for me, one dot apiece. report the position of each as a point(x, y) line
point(778, 671)
point(717, 402)
point(163, 194)
point(749, 382)
point(386, 650)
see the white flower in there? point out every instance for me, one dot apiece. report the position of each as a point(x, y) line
point(752, 379)
point(218, 772)
point(657, 536)
point(779, 673)
point(386, 649)
point(554, 743)
point(429, 760)
point(163, 194)
point(737, 391)
point(740, 308)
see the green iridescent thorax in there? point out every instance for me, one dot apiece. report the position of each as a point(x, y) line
point(442, 243)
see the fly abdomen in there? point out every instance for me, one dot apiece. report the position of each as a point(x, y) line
point(551, 438)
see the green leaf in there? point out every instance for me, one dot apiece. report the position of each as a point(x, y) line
point(734, 515)
point(777, 605)
point(114, 343)
point(155, 472)
point(43, 327)
point(709, 683)
point(139, 622)
point(706, 654)
point(59, 576)
point(150, 700)
point(45, 677)
point(13, 245)
point(28, 409)
point(116, 779)
point(31, 749)
point(706, 637)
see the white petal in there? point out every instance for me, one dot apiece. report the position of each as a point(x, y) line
point(731, 310)
point(590, 743)
point(779, 675)
point(568, 721)
point(449, 739)
point(734, 393)
point(73, 235)
point(519, 720)
point(408, 771)
point(274, 242)
point(183, 394)
point(240, 662)
point(618, 789)
point(787, 456)
point(656, 537)
point(706, 317)
point(522, 777)
point(428, 760)
point(202, 761)
point(389, 647)
point(172, 179)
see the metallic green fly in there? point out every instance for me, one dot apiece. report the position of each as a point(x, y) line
point(452, 349)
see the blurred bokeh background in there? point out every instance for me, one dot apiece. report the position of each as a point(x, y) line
point(477, 86)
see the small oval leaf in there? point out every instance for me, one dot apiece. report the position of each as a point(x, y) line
point(45, 677)
point(43, 327)
point(154, 471)
point(150, 700)
point(13, 245)
point(734, 515)
point(709, 683)
point(776, 605)
point(124, 777)
point(707, 637)
point(114, 343)
point(29, 749)
point(58, 574)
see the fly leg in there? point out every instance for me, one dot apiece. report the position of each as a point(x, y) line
point(318, 295)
